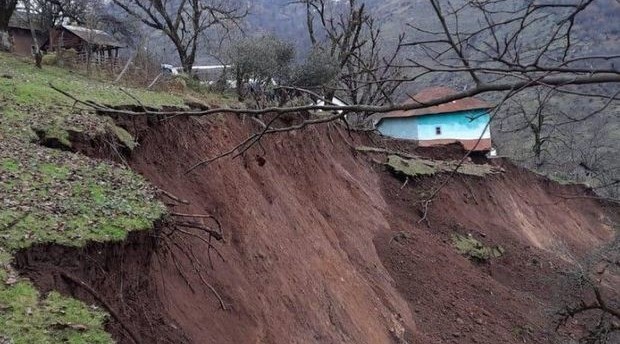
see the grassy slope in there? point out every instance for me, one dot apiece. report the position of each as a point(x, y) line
point(60, 197)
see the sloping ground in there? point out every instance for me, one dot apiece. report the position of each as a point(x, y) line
point(52, 196)
point(322, 244)
point(542, 231)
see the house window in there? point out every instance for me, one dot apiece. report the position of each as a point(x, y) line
point(437, 130)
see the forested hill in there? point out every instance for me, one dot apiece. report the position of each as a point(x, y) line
point(599, 25)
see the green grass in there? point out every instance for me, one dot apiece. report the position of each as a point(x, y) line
point(68, 199)
point(26, 317)
point(52, 196)
point(30, 86)
point(28, 104)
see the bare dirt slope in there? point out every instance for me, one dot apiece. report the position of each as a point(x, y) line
point(323, 245)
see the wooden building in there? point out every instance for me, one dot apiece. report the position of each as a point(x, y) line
point(20, 35)
point(95, 45)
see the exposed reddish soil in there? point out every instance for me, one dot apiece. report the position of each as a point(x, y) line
point(323, 245)
point(510, 299)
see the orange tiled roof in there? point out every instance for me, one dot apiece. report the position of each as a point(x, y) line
point(433, 93)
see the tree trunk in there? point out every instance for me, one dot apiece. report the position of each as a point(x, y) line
point(239, 80)
point(187, 60)
point(5, 41)
point(187, 66)
point(7, 7)
point(38, 56)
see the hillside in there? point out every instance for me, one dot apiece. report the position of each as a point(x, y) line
point(322, 240)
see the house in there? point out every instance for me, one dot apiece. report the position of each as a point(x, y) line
point(97, 45)
point(464, 121)
point(21, 36)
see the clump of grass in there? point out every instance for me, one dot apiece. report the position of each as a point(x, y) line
point(474, 249)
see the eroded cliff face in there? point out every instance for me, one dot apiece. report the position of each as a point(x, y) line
point(324, 245)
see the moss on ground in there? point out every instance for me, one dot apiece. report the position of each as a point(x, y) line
point(474, 249)
point(411, 167)
point(416, 167)
point(52, 196)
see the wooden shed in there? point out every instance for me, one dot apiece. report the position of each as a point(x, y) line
point(20, 35)
point(96, 45)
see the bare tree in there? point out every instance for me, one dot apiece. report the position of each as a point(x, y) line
point(353, 38)
point(7, 7)
point(533, 115)
point(184, 22)
point(572, 136)
point(597, 307)
point(54, 12)
point(510, 47)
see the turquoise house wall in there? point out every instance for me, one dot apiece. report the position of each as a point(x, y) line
point(454, 125)
point(399, 127)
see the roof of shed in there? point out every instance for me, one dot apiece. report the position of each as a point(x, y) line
point(94, 36)
point(19, 20)
point(435, 93)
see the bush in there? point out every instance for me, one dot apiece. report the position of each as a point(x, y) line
point(66, 59)
point(262, 60)
point(474, 249)
point(318, 69)
point(50, 59)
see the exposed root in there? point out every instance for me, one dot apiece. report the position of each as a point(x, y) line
point(197, 267)
point(173, 197)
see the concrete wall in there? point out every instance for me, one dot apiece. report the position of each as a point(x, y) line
point(400, 128)
point(456, 125)
point(463, 125)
